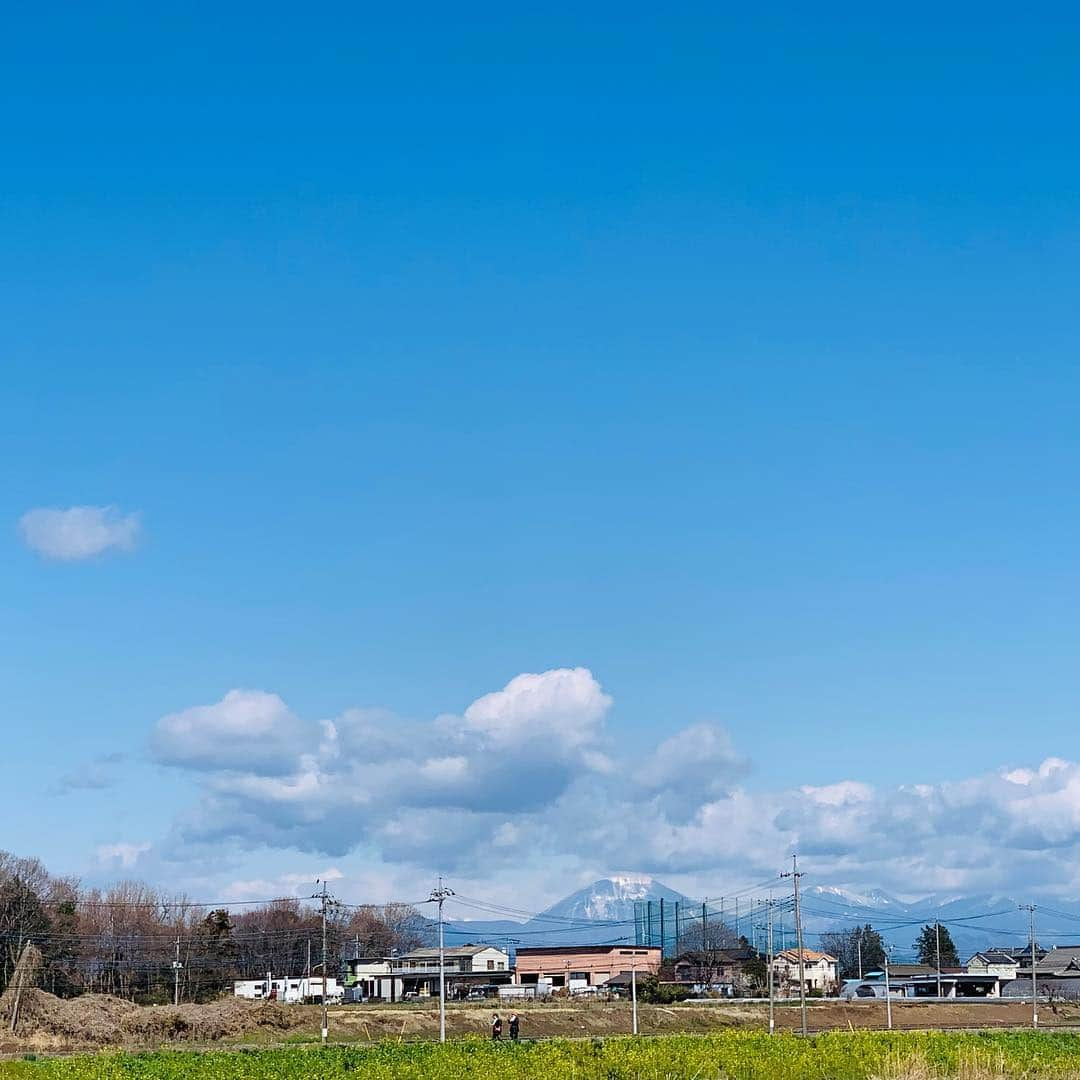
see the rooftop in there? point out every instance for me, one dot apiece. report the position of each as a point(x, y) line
point(995, 956)
point(548, 950)
point(809, 955)
point(450, 950)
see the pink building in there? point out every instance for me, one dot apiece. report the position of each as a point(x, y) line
point(577, 966)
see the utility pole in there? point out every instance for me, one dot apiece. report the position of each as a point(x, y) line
point(794, 873)
point(772, 1019)
point(633, 954)
point(937, 952)
point(1030, 909)
point(324, 898)
point(858, 941)
point(439, 897)
point(176, 971)
point(888, 995)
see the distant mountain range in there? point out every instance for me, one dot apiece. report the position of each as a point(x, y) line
point(974, 922)
point(604, 912)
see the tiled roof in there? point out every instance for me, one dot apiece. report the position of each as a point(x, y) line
point(809, 956)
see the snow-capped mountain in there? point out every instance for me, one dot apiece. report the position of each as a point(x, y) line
point(604, 912)
point(610, 899)
point(975, 922)
point(598, 913)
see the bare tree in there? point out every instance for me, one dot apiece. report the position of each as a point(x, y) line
point(377, 930)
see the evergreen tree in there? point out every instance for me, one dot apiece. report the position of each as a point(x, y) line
point(926, 946)
point(212, 965)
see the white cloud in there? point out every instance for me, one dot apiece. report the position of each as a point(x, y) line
point(692, 767)
point(270, 778)
point(843, 793)
point(79, 532)
point(121, 855)
point(526, 779)
point(565, 706)
point(246, 731)
point(95, 775)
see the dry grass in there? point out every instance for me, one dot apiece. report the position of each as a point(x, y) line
point(48, 1022)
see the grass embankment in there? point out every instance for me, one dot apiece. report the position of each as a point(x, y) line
point(733, 1055)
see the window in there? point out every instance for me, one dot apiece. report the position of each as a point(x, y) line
point(491, 965)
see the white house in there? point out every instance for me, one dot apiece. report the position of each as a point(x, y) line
point(820, 970)
point(466, 968)
point(372, 979)
point(994, 962)
point(290, 990)
point(458, 960)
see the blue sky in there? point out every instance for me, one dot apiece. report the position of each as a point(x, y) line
point(728, 356)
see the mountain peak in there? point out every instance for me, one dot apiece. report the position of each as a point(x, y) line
point(611, 899)
point(629, 881)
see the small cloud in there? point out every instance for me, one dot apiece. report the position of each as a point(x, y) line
point(93, 775)
point(301, 885)
point(79, 532)
point(122, 854)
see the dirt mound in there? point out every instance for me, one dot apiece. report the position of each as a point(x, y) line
point(100, 1020)
point(206, 1023)
point(93, 1018)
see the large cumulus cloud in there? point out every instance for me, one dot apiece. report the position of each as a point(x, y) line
point(530, 774)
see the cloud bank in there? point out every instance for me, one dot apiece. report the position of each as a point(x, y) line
point(79, 532)
point(530, 776)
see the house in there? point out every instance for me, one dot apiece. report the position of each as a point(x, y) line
point(465, 968)
point(820, 971)
point(574, 967)
point(371, 979)
point(291, 990)
point(994, 962)
point(721, 971)
point(1057, 973)
point(952, 983)
point(906, 971)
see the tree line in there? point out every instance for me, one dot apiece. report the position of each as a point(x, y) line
point(124, 940)
point(861, 949)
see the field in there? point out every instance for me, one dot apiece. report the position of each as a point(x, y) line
point(732, 1055)
point(52, 1025)
point(94, 1022)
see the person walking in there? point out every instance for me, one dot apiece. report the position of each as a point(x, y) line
point(515, 1025)
point(496, 1027)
